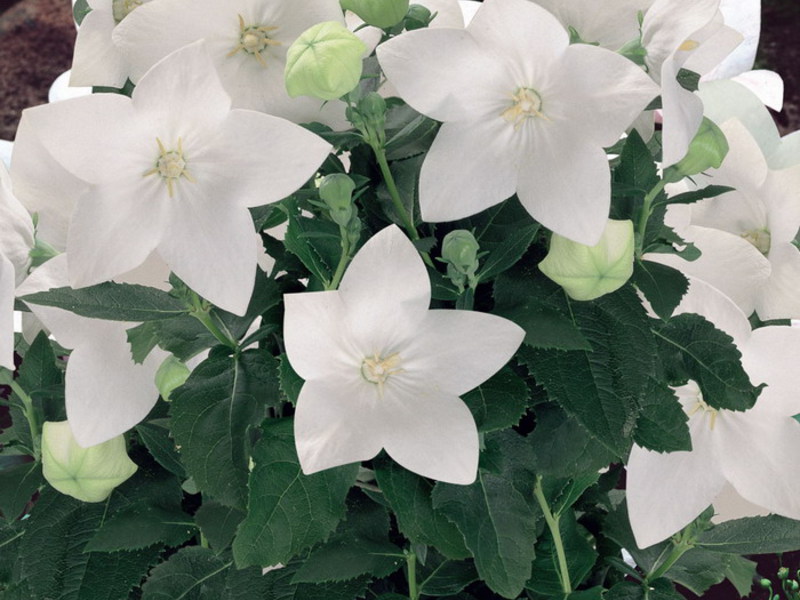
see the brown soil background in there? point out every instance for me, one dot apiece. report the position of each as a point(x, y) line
point(36, 42)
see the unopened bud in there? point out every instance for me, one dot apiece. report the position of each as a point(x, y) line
point(706, 151)
point(324, 62)
point(460, 249)
point(783, 573)
point(336, 190)
point(588, 272)
point(88, 474)
point(378, 13)
point(171, 375)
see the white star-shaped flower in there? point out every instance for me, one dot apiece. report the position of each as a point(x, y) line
point(247, 41)
point(524, 112)
point(174, 169)
point(16, 241)
point(383, 371)
point(740, 453)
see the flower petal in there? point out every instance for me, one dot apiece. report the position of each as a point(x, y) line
point(675, 486)
point(385, 291)
point(770, 356)
point(566, 186)
point(456, 350)
point(96, 61)
point(753, 455)
point(106, 392)
point(6, 313)
point(779, 298)
point(336, 422)
point(431, 433)
point(315, 337)
point(221, 265)
point(468, 168)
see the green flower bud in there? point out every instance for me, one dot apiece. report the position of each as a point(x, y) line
point(373, 108)
point(460, 249)
point(588, 272)
point(418, 17)
point(324, 62)
point(171, 375)
point(378, 13)
point(336, 191)
point(707, 150)
point(88, 474)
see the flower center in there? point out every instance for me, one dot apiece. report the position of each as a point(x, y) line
point(377, 369)
point(760, 238)
point(170, 166)
point(526, 104)
point(701, 405)
point(122, 8)
point(254, 40)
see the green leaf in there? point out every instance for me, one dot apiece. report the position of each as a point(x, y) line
point(17, 486)
point(316, 243)
point(525, 296)
point(711, 359)
point(218, 524)
point(192, 573)
point(580, 556)
point(710, 191)
point(507, 251)
point(112, 301)
point(496, 515)
point(413, 138)
point(38, 371)
point(563, 447)
point(635, 175)
point(688, 80)
point(287, 511)
point(663, 286)
point(140, 526)
point(741, 573)
point(409, 495)
point(663, 424)
point(142, 338)
point(698, 570)
point(499, 402)
point(290, 382)
point(660, 589)
point(281, 587)
point(211, 414)
point(157, 438)
point(360, 546)
point(602, 388)
point(446, 578)
point(753, 535)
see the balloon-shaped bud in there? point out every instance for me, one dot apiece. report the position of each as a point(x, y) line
point(588, 272)
point(171, 375)
point(324, 62)
point(378, 13)
point(336, 190)
point(460, 249)
point(706, 151)
point(88, 474)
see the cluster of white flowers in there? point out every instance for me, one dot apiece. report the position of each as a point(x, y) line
point(529, 95)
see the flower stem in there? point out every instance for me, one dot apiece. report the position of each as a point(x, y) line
point(204, 316)
point(343, 260)
point(679, 549)
point(391, 186)
point(411, 563)
point(647, 206)
point(552, 524)
point(6, 378)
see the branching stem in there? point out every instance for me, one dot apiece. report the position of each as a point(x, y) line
point(552, 524)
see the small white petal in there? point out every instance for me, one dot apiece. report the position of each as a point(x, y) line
point(96, 61)
point(431, 433)
point(779, 298)
point(6, 313)
point(766, 85)
point(336, 423)
point(457, 350)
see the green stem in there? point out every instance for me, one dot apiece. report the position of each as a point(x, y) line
point(205, 318)
point(647, 206)
point(411, 563)
point(397, 202)
point(343, 260)
point(6, 378)
point(678, 550)
point(552, 523)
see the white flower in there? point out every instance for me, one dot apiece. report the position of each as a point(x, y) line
point(16, 241)
point(96, 60)
point(106, 392)
point(746, 235)
point(174, 169)
point(523, 112)
point(383, 371)
point(743, 450)
point(247, 41)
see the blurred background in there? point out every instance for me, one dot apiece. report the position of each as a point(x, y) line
point(36, 41)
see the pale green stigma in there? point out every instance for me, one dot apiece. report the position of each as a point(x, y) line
point(254, 40)
point(170, 166)
point(122, 8)
point(710, 411)
point(527, 103)
point(760, 238)
point(378, 369)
